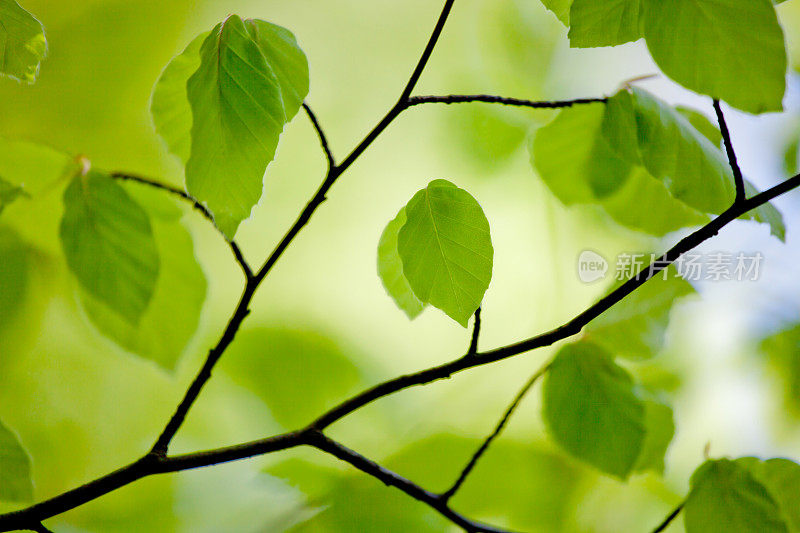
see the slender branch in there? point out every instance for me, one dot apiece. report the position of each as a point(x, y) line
point(40, 528)
point(476, 333)
point(392, 479)
point(497, 430)
point(726, 137)
point(491, 99)
point(180, 193)
point(566, 330)
point(323, 140)
point(668, 520)
point(242, 310)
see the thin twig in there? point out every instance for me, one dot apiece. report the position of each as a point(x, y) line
point(152, 464)
point(392, 479)
point(476, 333)
point(180, 193)
point(491, 99)
point(497, 430)
point(738, 179)
point(323, 139)
point(162, 444)
point(668, 520)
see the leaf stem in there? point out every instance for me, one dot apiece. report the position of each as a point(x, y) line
point(323, 140)
point(668, 520)
point(726, 138)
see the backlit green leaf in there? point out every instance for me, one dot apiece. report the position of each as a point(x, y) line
point(692, 42)
point(726, 497)
point(177, 297)
point(22, 42)
point(169, 106)
point(660, 430)
point(560, 8)
point(606, 23)
point(781, 477)
point(240, 97)
point(109, 245)
point(576, 161)
point(446, 249)
point(782, 352)
point(14, 275)
point(390, 269)
point(15, 468)
point(635, 327)
point(592, 411)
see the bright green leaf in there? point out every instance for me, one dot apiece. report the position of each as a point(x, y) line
point(109, 245)
point(390, 269)
point(781, 477)
point(241, 97)
point(702, 124)
point(35, 168)
point(782, 351)
point(281, 365)
point(14, 275)
point(726, 497)
point(732, 50)
point(660, 430)
point(15, 468)
point(177, 298)
point(592, 411)
point(22, 42)
point(446, 249)
point(605, 23)
point(169, 106)
point(635, 327)
point(560, 8)
point(574, 158)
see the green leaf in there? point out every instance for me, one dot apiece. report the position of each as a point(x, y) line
point(592, 411)
point(9, 193)
point(15, 468)
point(22, 42)
point(726, 497)
point(35, 168)
point(281, 365)
point(781, 477)
point(560, 8)
point(692, 42)
point(635, 327)
point(250, 83)
point(605, 23)
point(660, 431)
point(177, 298)
point(576, 160)
point(701, 123)
point(446, 249)
point(390, 269)
point(109, 245)
point(169, 105)
point(782, 351)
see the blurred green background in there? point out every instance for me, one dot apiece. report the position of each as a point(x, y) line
point(322, 325)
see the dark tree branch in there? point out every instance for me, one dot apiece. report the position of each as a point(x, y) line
point(482, 449)
point(726, 138)
point(391, 479)
point(242, 310)
point(490, 99)
point(180, 193)
point(476, 333)
point(323, 140)
point(668, 520)
point(566, 330)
